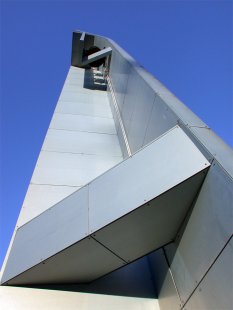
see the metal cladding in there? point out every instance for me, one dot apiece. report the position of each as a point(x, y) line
point(126, 174)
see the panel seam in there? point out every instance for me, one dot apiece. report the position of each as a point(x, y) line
point(207, 271)
point(92, 236)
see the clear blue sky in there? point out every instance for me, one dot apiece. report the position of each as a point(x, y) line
point(187, 45)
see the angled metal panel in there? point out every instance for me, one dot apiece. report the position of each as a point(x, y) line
point(68, 162)
point(142, 231)
point(129, 101)
point(207, 231)
point(215, 291)
point(83, 262)
point(161, 165)
point(161, 120)
point(148, 174)
point(143, 97)
point(41, 197)
point(119, 72)
point(55, 229)
point(220, 150)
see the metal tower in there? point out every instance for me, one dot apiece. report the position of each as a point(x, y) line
point(131, 196)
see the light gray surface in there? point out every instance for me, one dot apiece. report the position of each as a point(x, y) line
point(81, 144)
point(80, 96)
point(41, 197)
point(197, 249)
point(82, 123)
point(19, 298)
point(216, 146)
point(215, 291)
point(161, 165)
point(71, 156)
point(49, 233)
point(129, 101)
point(71, 169)
point(100, 109)
point(142, 103)
point(161, 120)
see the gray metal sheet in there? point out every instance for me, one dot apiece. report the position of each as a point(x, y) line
point(78, 87)
point(75, 79)
point(168, 298)
point(24, 298)
point(215, 291)
point(129, 101)
point(81, 142)
point(181, 110)
point(72, 265)
point(52, 231)
point(161, 120)
point(61, 172)
point(221, 151)
point(71, 169)
point(83, 123)
point(208, 229)
point(143, 98)
point(101, 109)
point(75, 72)
point(158, 167)
point(41, 197)
point(119, 72)
point(142, 231)
point(83, 97)
point(118, 126)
